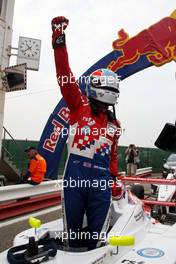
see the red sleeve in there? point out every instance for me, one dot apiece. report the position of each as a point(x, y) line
point(113, 158)
point(69, 88)
point(114, 151)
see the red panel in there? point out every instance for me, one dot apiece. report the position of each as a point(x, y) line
point(150, 202)
point(148, 180)
point(23, 206)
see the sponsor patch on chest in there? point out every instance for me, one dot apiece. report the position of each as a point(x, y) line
point(111, 129)
point(90, 121)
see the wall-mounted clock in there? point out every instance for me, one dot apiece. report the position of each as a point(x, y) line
point(29, 52)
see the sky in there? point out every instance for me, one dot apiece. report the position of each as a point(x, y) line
point(147, 99)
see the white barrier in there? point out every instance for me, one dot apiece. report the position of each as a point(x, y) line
point(144, 170)
point(138, 172)
point(14, 192)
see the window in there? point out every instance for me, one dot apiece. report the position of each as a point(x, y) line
point(3, 5)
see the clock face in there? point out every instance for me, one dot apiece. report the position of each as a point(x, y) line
point(29, 48)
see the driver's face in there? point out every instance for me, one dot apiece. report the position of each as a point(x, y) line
point(103, 107)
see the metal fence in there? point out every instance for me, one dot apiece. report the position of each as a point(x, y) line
point(149, 157)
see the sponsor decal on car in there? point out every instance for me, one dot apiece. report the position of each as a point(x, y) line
point(127, 261)
point(139, 216)
point(100, 260)
point(150, 253)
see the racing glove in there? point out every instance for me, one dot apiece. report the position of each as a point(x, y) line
point(114, 186)
point(114, 178)
point(59, 25)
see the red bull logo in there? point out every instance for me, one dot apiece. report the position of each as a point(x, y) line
point(158, 43)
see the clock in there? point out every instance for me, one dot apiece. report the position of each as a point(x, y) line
point(29, 52)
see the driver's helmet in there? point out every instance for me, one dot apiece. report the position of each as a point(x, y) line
point(103, 86)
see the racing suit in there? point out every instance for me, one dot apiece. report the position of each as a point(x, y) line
point(92, 159)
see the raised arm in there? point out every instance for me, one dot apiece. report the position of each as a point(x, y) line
point(114, 159)
point(69, 88)
point(114, 152)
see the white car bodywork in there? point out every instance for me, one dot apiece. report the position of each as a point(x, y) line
point(154, 242)
point(166, 192)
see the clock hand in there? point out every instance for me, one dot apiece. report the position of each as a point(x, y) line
point(29, 46)
point(27, 49)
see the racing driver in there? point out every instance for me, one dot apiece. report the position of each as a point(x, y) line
point(91, 155)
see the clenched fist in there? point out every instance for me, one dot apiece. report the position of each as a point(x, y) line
point(59, 25)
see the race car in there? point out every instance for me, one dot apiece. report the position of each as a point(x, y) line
point(133, 238)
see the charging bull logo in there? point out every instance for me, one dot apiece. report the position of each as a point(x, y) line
point(158, 44)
